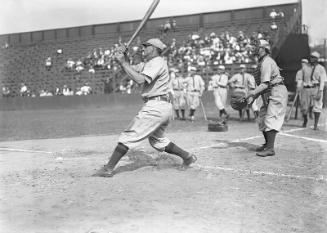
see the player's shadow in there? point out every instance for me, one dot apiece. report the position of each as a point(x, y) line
point(142, 159)
point(246, 145)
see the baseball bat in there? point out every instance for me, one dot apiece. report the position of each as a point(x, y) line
point(204, 111)
point(143, 21)
point(288, 117)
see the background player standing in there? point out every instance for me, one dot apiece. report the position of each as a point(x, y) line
point(243, 83)
point(274, 96)
point(304, 87)
point(195, 88)
point(152, 120)
point(219, 84)
point(179, 94)
point(318, 77)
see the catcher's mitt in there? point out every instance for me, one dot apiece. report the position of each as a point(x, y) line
point(219, 126)
point(238, 100)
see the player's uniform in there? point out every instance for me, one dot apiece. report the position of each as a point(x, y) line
point(219, 84)
point(318, 81)
point(153, 118)
point(243, 84)
point(305, 89)
point(272, 113)
point(195, 87)
point(179, 95)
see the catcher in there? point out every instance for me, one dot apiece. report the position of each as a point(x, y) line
point(274, 96)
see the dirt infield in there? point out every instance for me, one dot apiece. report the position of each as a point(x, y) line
point(46, 184)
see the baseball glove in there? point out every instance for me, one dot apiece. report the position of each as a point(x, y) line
point(238, 100)
point(239, 104)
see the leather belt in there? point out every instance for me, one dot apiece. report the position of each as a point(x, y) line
point(159, 98)
point(310, 86)
point(222, 86)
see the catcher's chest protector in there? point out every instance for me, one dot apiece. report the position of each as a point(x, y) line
point(257, 74)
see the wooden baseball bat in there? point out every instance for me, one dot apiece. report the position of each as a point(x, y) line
point(204, 111)
point(288, 117)
point(143, 22)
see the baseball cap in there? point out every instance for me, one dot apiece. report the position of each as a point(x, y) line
point(315, 54)
point(156, 43)
point(304, 60)
point(264, 44)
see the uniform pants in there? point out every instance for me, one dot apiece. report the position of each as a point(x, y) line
point(220, 95)
point(193, 99)
point(317, 104)
point(150, 122)
point(306, 99)
point(271, 116)
point(179, 100)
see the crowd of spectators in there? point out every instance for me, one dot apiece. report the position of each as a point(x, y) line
point(197, 50)
point(211, 50)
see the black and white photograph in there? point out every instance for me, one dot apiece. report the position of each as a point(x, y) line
point(162, 116)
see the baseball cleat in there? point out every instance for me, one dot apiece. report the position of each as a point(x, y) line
point(187, 162)
point(104, 172)
point(261, 148)
point(266, 153)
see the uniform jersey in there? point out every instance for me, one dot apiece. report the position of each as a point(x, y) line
point(178, 84)
point(319, 76)
point(303, 76)
point(269, 70)
point(219, 80)
point(157, 77)
point(243, 81)
point(195, 83)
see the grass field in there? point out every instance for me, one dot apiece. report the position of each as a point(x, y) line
point(48, 158)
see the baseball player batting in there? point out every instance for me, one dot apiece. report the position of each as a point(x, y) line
point(152, 120)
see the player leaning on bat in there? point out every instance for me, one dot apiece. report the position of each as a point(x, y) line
point(153, 118)
point(274, 95)
point(310, 85)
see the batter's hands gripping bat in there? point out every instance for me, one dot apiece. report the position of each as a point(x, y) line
point(288, 117)
point(143, 22)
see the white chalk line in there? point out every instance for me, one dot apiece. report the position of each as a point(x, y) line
point(23, 150)
point(264, 173)
point(305, 138)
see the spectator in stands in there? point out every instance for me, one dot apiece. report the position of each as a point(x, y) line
point(166, 26)
point(66, 91)
point(5, 91)
point(273, 14)
point(108, 85)
point(91, 70)
point(70, 64)
point(23, 90)
point(48, 63)
point(273, 26)
point(79, 65)
point(174, 24)
point(86, 89)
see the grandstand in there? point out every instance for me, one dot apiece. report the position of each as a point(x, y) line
point(22, 59)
